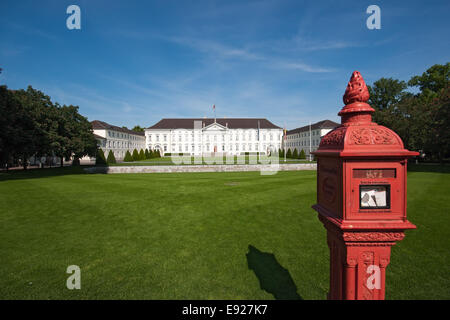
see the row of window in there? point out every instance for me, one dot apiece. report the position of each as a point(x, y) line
point(314, 142)
point(123, 144)
point(124, 135)
point(302, 134)
point(211, 148)
point(208, 137)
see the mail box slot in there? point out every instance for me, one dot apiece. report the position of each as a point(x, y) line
point(374, 196)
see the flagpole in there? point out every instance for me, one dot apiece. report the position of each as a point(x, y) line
point(309, 141)
point(285, 137)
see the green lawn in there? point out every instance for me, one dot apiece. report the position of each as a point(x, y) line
point(197, 236)
point(190, 160)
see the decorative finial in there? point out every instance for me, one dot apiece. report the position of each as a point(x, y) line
point(356, 89)
point(356, 110)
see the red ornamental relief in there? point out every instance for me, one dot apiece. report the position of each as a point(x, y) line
point(356, 89)
point(373, 236)
point(372, 136)
point(334, 138)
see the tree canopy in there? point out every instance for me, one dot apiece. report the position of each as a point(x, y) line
point(32, 125)
point(422, 118)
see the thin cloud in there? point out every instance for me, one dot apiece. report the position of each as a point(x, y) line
point(303, 67)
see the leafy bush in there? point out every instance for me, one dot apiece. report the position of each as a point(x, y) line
point(141, 155)
point(111, 158)
point(302, 154)
point(128, 157)
point(100, 158)
point(135, 155)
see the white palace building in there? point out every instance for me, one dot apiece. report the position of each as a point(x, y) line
point(308, 137)
point(208, 136)
point(205, 136)
point(117, 139)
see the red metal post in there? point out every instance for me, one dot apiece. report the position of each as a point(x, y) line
point(361, 197)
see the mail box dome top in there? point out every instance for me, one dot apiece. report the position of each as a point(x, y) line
point(358, 135)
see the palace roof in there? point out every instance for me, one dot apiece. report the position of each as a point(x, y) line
point(101, 125)
point(231, 123)
point(324, 124)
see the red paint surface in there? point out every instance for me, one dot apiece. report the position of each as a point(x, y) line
point(355, 156)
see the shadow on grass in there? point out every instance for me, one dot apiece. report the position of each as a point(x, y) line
point(272, 277)
point(41, 173)
point(429, 167)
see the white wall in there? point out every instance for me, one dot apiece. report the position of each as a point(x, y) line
point(214, 138)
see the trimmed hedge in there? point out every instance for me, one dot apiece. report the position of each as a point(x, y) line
point(128, 157)
point(302, 155)
point(100, 158)
point(135, 155)
point(141, 155)
point(111, 158)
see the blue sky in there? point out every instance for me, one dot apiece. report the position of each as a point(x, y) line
point(135, 62)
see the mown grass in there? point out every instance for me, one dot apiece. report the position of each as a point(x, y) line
point(196, 236)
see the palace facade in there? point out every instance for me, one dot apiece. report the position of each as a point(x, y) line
point(205, 136)
point(117, 139)
point(208, 136)
point(308, 137)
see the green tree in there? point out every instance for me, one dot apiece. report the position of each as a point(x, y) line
point(111, 158)
point(141, 155)
point(74, 136)
point(138, 129)
point(135, 155)
point(38, 125)
point(289, 154)
point(420, 119)
point(385, 94)
point(433, 80)
point(100, 158)
point(147, 154)
point(128, 157)
point(295, 154)
point(17, 129)
point(302, 154)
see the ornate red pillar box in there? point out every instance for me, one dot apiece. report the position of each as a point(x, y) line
point(361, 197)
